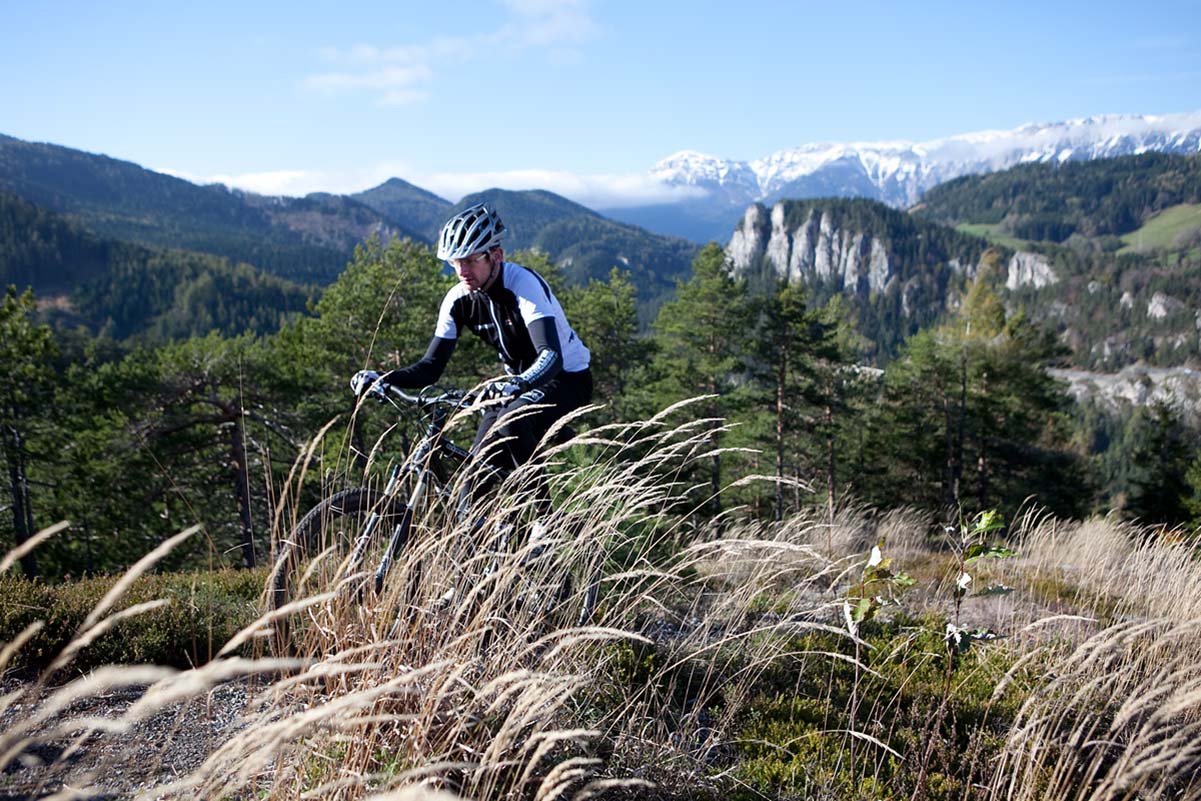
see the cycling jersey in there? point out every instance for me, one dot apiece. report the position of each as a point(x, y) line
point(501, 315)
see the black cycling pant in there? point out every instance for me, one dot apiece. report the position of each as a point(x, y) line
point(506, 440)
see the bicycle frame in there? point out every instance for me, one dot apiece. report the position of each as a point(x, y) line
point(425, 462)
point(429, 467)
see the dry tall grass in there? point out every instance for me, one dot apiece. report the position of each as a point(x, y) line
point(1117, 716)
point(494, 691)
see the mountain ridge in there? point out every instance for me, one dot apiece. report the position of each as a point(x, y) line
point(1057, 238)
point(127, 290)
point(912, 166)
point(308, 239)
point(896, 172)
point(587, 244)
point(311, 239)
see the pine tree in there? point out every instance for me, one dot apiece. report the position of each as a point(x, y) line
point(798, 363)
point(604, 314)
point(970, 416)
point(26, 384)
point(1164, 451)
point(703, 337)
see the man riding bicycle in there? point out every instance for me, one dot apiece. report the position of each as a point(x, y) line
point(513, 309)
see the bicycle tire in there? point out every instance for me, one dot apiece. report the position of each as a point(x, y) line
point(334, 523)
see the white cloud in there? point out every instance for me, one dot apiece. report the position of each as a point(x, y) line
point(550, 22)
point(294, 183)
point(389, 79)
point(402, 74)
point(593, 191)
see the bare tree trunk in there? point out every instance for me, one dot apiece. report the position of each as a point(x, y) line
point(961, 427)
point(781, 375)
point(18, 481)
point(982, 465)
point(831, 463)
point(237, 455)
point(951, 474)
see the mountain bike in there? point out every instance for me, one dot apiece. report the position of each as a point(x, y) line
point(326, 550)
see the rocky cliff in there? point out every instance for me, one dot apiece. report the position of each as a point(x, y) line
point(898, 272)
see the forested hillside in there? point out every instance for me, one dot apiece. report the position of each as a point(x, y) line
point(310, 239)
point(400, 200)
point(1054, 202)
point(1120, 245)
point(131, 445)
point(1107, 254)
point(1096, 300)
point(303, 239)
point(124, 290)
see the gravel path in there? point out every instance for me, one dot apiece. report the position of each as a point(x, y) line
point(154, 751)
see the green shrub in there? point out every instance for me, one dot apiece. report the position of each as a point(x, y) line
point(204, 610)
point(793, 738)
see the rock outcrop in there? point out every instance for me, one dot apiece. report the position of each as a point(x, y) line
point(1029, 269)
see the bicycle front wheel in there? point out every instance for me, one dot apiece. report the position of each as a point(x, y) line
point(330, 541)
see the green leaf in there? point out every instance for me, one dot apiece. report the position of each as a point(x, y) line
point(998, 589)
point(865, 610)
point(877, 573)
point(957, 638)
point(989, 552)
point(987, 522)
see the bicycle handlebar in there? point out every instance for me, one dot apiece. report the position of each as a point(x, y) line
point(457, 398)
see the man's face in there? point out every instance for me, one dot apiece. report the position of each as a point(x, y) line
point(475, 270)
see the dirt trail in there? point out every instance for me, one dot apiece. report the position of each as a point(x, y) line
point(151, 753)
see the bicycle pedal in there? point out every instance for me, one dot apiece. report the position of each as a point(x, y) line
point(443, 602)
point(535, 554)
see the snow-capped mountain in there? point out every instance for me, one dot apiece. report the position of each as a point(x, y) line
point(899, 172)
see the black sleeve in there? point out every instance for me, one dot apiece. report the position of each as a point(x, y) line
point(425, 370)
point(545, 337)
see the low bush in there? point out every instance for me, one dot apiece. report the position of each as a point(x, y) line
point(203, 610)
point(795, 736)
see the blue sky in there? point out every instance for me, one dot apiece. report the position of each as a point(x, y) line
point(578, 96)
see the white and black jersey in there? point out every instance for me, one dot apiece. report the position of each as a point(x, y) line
point(517, 314)
point(501, 315)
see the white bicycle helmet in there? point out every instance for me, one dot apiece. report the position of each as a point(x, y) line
point(470, 231)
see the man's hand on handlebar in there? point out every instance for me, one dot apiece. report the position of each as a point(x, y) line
point(366, 382)
point(503, 389)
